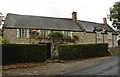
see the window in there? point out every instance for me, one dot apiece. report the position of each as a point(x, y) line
point(99, 35)
point(67, 33)
point(109, 35)
point(44, 33)
point(23, 33)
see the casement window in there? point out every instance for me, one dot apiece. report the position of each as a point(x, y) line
point(99, 35)
point(109, 35)
point(23, 33)
point(67, 33)
point(44, 33)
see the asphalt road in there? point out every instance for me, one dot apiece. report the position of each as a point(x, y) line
point(106, 67)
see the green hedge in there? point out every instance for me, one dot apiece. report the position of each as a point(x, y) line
point(77, 51)
point(23, 53)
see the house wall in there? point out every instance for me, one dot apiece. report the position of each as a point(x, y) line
point(115, 40)
point(107, 40)
point(85, 38)
point(11, 36)
point(112, 42)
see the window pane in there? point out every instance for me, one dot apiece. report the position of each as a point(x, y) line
point(99, 35)
point(23, 33)
point(44, 33)
point(109, 35)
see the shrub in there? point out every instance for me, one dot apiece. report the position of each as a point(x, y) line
point(23, 53)
point(116, 52)
point(76, 51)
point(3, 40)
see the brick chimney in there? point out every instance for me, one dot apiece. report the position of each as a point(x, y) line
point(105, 21)
point(74, 16)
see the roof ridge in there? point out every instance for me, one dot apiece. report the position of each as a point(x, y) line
point(91, 22)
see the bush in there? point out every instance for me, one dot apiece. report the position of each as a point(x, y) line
point(3, 40)
point(77, 51)
point(116, 52)
point(23, 53)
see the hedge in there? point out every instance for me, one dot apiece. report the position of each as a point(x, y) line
point(77, 51)
point(23, 53)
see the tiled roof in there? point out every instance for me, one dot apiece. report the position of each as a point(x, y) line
point(39, 22)
point(90, 26)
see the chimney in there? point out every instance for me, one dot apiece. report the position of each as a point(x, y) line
point(74, 16)
point(104, 21)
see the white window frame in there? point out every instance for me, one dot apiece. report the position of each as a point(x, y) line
point(44, 33)
point(99, 35)
point(109, 35)
point(23, 33)
point(68, 33)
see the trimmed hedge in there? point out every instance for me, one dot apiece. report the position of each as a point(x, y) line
point(23, 53)
point(77, 51)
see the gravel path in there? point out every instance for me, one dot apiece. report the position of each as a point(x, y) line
point(54, 68)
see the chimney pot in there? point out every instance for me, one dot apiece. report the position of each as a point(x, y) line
point(74, 16)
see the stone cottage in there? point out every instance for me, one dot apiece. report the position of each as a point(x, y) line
point(16, 29)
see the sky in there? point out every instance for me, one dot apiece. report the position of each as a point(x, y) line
point(88, 10)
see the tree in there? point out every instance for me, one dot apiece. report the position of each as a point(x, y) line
point(34, 35)
point(56, 38)
point(3, 40)
point(75, 38)
point(1, 18)
point(114, 15)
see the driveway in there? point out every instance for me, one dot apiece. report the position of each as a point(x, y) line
point(106, 67)
point(88, 66)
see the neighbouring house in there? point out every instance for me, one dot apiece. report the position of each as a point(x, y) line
point(16, 29)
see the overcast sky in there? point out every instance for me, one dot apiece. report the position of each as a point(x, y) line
point(88, 10)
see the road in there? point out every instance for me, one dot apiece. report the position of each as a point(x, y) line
point(98, 66)
point(107, 67)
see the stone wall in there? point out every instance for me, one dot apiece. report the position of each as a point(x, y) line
point(84, 38)
point(11, 36)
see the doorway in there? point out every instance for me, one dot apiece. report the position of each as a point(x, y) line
point(48, 49)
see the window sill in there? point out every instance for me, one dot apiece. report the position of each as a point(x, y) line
point(22, 38)
point(99, 38)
